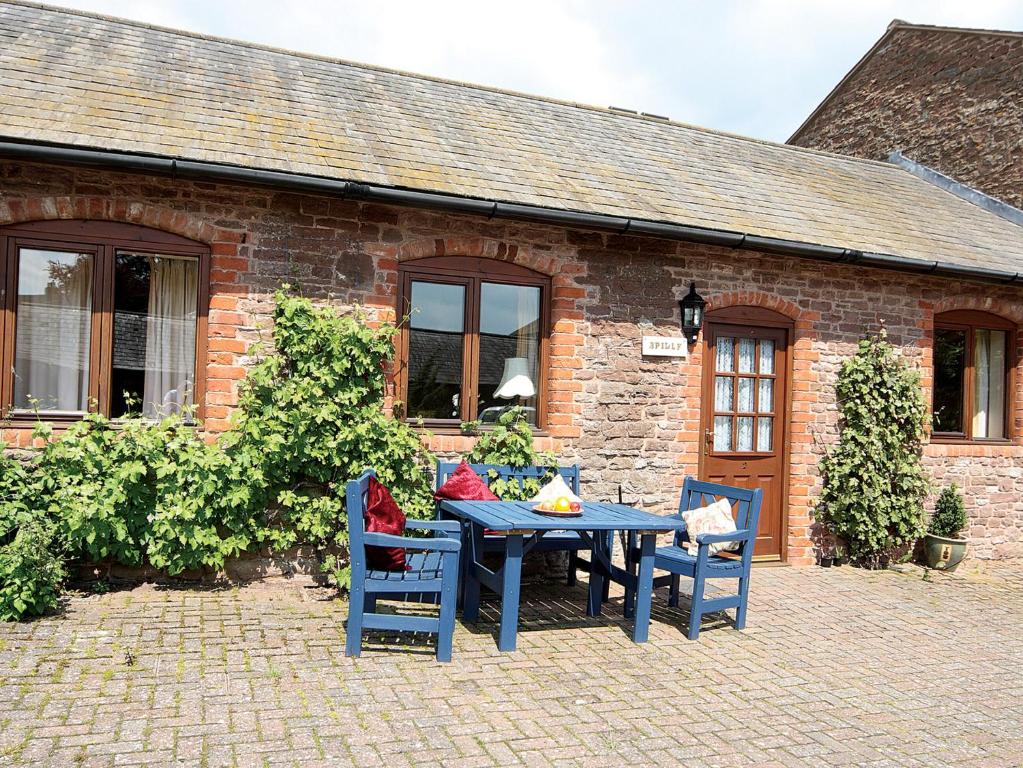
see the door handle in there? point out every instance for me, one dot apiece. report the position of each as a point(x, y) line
point(708, 436)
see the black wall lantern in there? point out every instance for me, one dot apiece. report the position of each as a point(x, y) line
point(692, 314)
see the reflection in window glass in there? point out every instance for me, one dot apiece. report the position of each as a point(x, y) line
point(744, 433)
point(989, 383)
point(746, 351)
point(509, 349)
point(722, 393)
point(722, 433)
point(54, 325)
point(155, 300)
point(767, 356)
point(436, 328)
point(725, 347)
point(949, 365)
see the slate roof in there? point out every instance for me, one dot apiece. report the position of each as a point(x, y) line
point(91, 81)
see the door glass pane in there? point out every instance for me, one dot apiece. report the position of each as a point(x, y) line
point(767, 356)
point(746, 351)
point(989, 383)
point(744, 436)
point(722, 393)
point(765, 400)
point(155, 301)
point(725, 347)
point(745, 395)
point(54, 323)
point(765, 428)
point(436, 331)
point(949, 365)
point(509, 349)
point(722, 433)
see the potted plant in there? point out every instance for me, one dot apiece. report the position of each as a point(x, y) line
point(942, 544)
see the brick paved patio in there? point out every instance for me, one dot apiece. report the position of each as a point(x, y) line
point(839, 667)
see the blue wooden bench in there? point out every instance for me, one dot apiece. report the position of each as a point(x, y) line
point(562, 541)
point(433, 576)
point(677, 561)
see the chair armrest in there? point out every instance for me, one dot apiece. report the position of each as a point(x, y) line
point(447, 526)
point(718, 538)
point(390, 540)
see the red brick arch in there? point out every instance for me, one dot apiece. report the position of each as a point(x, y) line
point(802, 319)
point(1009, 310)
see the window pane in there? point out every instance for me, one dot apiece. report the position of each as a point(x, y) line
point(765, 426)
point(722, 433)
point(746, 351)
point(509, 349)
point(949, 364)
point(745, 395)
point(767, 356)
point(989, 383)
point(765, 400)
point(744, 433)
point(436, 331)
point(155, 300)
point(723, 393)
point(54, 322)
point(725, 346)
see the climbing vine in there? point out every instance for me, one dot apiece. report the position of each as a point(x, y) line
point(874, 482)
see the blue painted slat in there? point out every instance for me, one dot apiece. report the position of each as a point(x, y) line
point(433, 571)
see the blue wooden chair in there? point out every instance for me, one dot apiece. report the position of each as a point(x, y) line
point(433, 576)
point(727, 565)
point(560, 541)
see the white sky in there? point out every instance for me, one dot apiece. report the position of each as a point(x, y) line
point(755, 67)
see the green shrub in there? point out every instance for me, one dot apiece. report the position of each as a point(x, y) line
point(31, 572)
point(310, 418)
point(509, 442)
point(949, 517)
point(874, 483)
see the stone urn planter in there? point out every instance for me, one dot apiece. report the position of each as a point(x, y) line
point(943, 547)
point(943, 553)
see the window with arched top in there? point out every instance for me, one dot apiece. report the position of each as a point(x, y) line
point(100, 316)
point(473, 341)
point(974, 357)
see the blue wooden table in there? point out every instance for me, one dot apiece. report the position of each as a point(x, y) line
point(523, 528)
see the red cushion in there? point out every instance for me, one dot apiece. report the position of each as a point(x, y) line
point(464, 485)
point(383, 515)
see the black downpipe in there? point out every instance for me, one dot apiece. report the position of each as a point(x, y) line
point(127, 161)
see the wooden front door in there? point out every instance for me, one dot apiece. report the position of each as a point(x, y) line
point(744, 419)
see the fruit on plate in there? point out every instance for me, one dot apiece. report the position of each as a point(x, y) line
point(545, 506)
point(575, 506)
point(562, 504)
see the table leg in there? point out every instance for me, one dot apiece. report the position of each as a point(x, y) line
point(628, 607)
point(597, 575)
point(644, 588)
point(471, 587)
point(510, 583)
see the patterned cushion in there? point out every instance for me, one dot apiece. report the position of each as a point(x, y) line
point(714, 518)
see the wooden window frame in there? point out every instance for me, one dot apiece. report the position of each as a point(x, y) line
point(971, 321)
point(472, 272)
point(104, 240)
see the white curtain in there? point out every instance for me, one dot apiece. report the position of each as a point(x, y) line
point(989, 384)
point(54, 325)
point(170, 336)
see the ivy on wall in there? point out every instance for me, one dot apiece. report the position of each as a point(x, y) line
point(874, 482)
point(310, 417)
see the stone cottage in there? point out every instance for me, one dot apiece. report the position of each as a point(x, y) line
point(156, 186)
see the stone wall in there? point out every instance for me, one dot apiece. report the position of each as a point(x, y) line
point(629, 420)
point(950, 100)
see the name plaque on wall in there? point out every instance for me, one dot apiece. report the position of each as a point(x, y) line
point(665, 346)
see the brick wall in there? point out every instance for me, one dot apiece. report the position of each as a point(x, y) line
point(950, 100)
point(627, 419)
